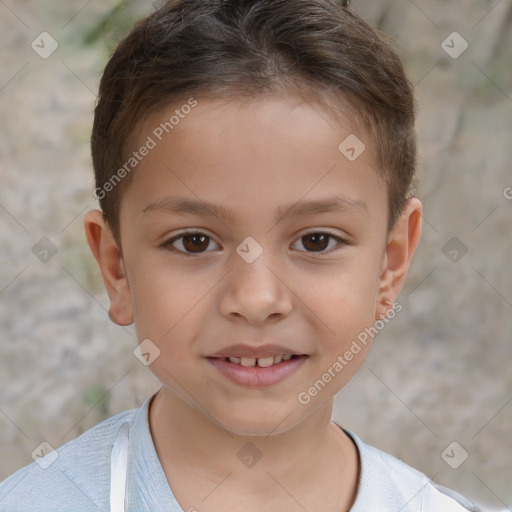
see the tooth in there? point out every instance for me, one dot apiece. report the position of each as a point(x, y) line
point(235, 359)
point(248, 361)
point(278, 359)
point(287, 357)
point(265, 361)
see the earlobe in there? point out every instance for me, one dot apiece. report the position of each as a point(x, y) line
point(104, 248)
point(401, 245)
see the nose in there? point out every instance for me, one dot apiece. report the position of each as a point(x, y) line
point(256, 291)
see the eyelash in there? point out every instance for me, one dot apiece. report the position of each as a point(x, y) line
point(168, 243)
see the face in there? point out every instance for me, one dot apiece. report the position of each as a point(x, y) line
point(265, 275)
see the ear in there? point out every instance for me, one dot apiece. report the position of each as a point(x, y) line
point(104, 248)
point(401, 245)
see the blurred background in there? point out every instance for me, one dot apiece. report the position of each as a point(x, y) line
point(436, 390)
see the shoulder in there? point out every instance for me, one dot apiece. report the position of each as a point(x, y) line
point(442, 498)
point(387, 483)
point(75, 477)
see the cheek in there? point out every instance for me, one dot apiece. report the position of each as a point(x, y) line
point(343, 299)
point(164, 299)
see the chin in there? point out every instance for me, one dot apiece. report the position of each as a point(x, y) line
point(258, 421)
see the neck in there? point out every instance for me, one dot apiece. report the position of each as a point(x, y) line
point(313, 450)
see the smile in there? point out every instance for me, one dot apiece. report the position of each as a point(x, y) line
point(262, 362)
point(260, 371)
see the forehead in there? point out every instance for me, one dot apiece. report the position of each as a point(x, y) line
point(274, 150)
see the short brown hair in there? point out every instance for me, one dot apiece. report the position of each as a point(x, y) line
point(242, 48)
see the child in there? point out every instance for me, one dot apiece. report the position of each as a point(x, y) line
point(230, 138)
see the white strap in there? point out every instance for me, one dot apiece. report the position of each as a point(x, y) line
point(118, 469)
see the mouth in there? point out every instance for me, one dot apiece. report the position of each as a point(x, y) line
point(255, 372)
point(261, 362)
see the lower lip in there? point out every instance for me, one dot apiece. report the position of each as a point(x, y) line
point(255, 376)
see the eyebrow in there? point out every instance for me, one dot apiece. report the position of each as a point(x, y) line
point(183, 206)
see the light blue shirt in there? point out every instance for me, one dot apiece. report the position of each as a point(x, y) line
point(78, 480)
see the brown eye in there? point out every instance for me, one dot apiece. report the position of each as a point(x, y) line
point(195, 243)
point(189, 243)
point(318, 241)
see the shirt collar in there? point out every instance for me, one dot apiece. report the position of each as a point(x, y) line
point(146, 485)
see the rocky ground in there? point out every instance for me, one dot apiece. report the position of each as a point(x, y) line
point(440, 372)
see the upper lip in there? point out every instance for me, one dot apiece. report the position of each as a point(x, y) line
point(267, 350)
